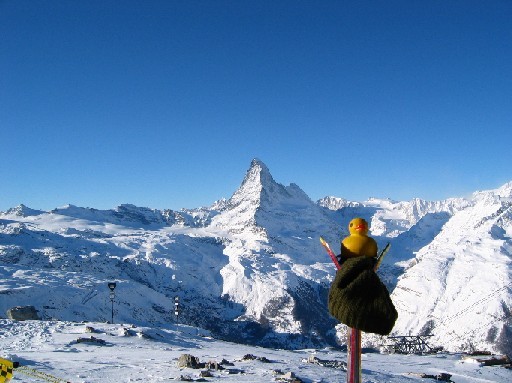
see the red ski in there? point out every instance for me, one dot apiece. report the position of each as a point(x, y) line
point(330, 252)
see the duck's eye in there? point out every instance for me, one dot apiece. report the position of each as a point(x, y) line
point(351, 224)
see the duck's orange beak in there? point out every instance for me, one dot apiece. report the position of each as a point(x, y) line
point(360, 227)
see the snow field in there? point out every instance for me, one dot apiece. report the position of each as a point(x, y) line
point(145, 354)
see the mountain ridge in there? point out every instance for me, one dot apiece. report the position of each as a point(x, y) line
point(250, 268)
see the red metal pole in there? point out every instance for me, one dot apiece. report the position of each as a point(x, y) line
point(354, 356)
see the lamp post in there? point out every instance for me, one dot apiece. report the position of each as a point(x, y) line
point(112, 286)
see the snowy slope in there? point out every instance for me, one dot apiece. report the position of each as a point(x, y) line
point(250, 268)
point(63, 259)
point(458, 287)
point(149, 354)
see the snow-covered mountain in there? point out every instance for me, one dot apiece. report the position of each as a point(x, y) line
point(251, 269)
point(458, 286)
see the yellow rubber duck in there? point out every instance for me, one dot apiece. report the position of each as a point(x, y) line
point(358, 244)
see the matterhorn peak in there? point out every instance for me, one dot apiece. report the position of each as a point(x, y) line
point(259, 172)
point(258, 162)
point(256, 181)
point(259, 195)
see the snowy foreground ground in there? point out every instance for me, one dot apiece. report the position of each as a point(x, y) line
point(134, 354)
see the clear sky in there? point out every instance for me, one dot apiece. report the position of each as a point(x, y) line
point(164, 104)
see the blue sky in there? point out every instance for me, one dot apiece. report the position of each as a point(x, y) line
point(164, 104)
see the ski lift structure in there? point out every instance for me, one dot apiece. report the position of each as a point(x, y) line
point(410, 344)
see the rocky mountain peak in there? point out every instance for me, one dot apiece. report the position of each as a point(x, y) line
point(256, 181)
point(505, 191)
point(258, 175)
point(260, 200)
point(23, 211)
